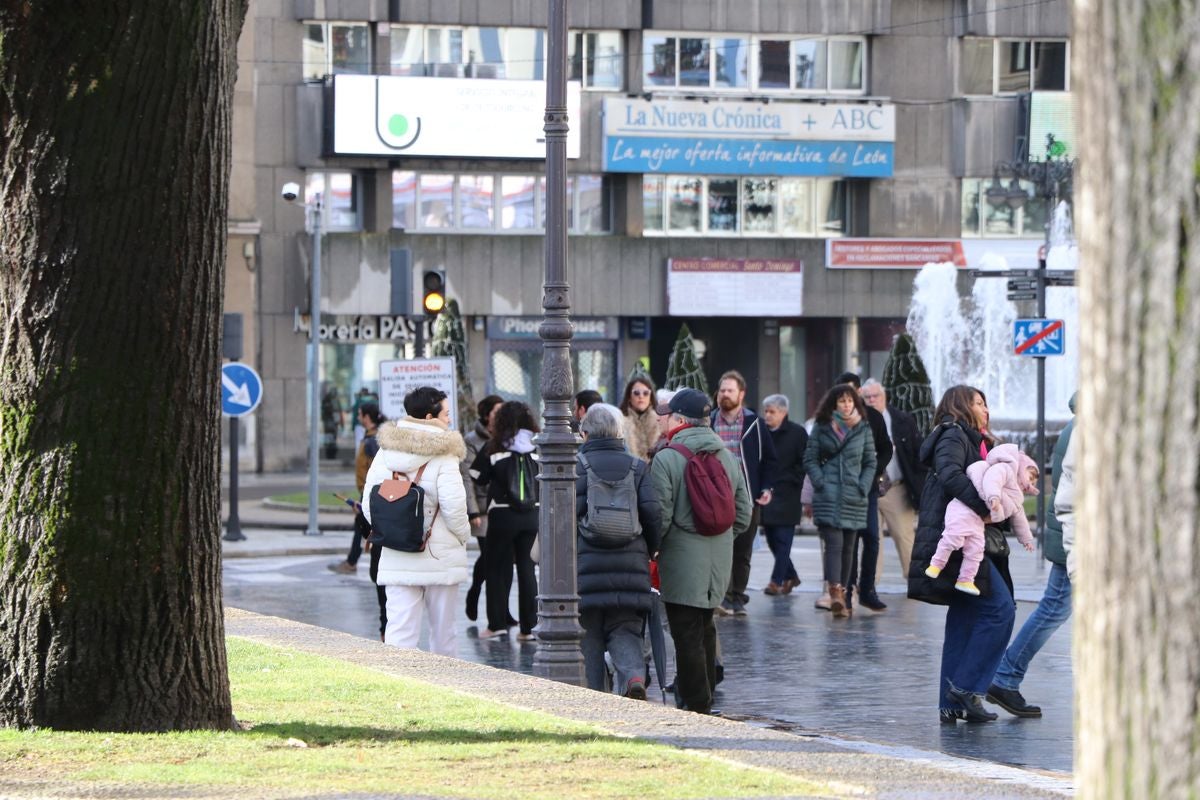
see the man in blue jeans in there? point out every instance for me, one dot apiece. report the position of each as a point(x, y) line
point(1053, 610)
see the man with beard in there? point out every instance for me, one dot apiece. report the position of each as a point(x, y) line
point(749, 442)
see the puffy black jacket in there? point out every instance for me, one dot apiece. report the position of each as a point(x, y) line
point(617, 577)
point(947, 452)
point(883, 445)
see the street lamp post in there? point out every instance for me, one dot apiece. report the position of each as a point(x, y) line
point(290, 193)
point(1050, 177)
point(558, 655)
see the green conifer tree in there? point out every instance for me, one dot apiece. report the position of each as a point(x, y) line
point(907, 383)
point(450, 339)
point(683, 368)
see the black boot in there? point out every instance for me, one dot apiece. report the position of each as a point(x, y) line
point(473, 601)
point(871, 600)
point(1012, 702)
point(949, 716)
point(973, 703)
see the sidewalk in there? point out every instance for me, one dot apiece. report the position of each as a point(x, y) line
point(853, 767)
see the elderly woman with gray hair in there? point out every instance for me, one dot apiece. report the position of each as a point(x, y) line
point(781, 516)
point(617, 538)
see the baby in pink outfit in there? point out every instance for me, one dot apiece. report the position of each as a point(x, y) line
point(1002, 481)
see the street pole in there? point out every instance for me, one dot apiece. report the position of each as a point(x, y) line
point(233, 527)
point(558, 655)
point(314, 371)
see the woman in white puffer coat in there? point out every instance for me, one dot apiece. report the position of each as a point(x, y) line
point(424, 582)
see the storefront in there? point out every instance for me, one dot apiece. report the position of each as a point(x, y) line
point(515, 357)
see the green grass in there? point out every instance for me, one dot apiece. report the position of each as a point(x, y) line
point(324, 497)
point(366, 732)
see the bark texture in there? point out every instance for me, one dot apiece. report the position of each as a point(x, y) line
point(1137, 628)
point(115, 119)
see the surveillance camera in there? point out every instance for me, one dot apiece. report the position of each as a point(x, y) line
point(290, 192)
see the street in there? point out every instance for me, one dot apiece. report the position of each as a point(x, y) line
point(872, 677)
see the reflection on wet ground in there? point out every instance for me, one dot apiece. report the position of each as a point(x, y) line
point(872, 677)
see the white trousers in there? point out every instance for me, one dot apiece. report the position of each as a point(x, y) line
point(405, 607)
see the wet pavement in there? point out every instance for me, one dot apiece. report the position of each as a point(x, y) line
point(873, 677)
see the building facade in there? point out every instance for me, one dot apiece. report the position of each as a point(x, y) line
point(771, 172)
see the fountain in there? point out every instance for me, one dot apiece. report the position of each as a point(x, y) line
point(969, 340)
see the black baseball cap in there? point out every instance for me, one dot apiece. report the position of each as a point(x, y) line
point(691, 403)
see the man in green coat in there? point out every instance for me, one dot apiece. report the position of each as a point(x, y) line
point(693, 569)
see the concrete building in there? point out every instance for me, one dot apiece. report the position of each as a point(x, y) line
point(772, 172)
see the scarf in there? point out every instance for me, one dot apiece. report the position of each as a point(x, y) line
point(641, 432)
point(843, 424)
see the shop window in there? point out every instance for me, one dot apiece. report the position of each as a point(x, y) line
point(751, 206)
point(338, 195)
point(981, 219)
point(336, 48)
point(1012, 66)
point(516, 369)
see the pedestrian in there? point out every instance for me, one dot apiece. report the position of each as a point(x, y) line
point(475, 441)
point(781, 516)
point(1055, 606)
point(1002, 480)
point(977, 628)
point(614, 551)
point(583, 401)
point(333, 417)
point(662, 410)
point(904, 476)
point(422, 447)
point(693, 569)
point(641, 421)
point(362, 397)
point(369, 418)
point(747, 439)
point(869, 535)
point(507, 466)
point(840, 463)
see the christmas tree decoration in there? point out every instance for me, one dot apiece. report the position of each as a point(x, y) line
point(683, 368)
point(450, 339)
point(907, 383)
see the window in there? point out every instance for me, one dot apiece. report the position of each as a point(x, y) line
point(1011, 66)
point(981, 219)
point(819, 65)
point(337, 193)
point(596, 59)
point(488, 203)
point(672, 205)
point(336, 48)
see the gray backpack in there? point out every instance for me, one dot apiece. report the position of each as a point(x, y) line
point(611, 519)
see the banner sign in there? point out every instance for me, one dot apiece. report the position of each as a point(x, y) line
point(398, 378)
point(726, 137)
point(916, 253)
point(734, 287)
point(393, 116)
point(525, 328)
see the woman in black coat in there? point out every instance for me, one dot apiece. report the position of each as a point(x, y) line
point(781, 516)
point(977, 628)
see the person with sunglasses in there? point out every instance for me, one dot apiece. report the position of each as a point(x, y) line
point(641, 419)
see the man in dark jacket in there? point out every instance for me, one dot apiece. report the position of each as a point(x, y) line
point(1052, 611)
point(869, 536)
point(905, 475)
point(614, 581)
point(748, 441)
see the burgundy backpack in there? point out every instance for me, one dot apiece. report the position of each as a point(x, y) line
point(709, 491)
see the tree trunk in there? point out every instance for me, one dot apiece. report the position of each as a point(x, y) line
point(1137, 630)
point(116, 139)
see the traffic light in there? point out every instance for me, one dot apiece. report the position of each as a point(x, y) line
point(433, 291)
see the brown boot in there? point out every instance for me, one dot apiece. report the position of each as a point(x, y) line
point(837, 599)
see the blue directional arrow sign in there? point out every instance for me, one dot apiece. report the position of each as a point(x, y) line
point(1038, 337)
point(241, 390)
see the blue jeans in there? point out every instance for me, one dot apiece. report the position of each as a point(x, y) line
point(779, 539)
point(977, 630)
point(619, 631)
point(1052, 611)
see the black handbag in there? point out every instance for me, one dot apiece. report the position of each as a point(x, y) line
point(995, 543)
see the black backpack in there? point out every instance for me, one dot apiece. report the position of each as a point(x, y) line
point(611, 519)
point(398, 514)
point(522, 482)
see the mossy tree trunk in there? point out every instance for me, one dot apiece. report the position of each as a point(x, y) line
point(113, 179)
point(1137, 630)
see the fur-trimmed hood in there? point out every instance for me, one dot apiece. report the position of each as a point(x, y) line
point(405, 444)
